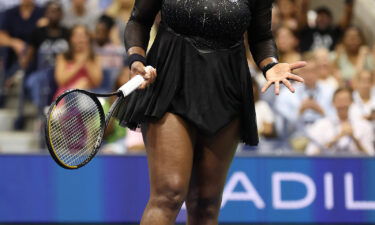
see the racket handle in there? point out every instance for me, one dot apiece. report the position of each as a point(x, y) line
point(131, 85)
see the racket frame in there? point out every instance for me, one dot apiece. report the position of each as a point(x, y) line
point(104, 121)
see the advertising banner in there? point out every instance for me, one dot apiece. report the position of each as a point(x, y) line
point(258, 190)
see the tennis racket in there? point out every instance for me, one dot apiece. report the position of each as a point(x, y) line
point(76, 122)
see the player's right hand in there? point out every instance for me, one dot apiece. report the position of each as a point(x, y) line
point(148, 73)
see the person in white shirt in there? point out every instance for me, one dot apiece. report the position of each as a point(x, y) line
point(79, 12)
point(363, 101)
point(340, 133)
point(325, 69)
point(312, 101)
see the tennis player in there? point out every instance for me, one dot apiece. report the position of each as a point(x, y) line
point(196, 103)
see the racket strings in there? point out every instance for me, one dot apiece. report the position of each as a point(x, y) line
point(75, 128)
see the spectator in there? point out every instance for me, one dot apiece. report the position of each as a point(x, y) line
point(341, 133)
point(276, 18)
point(78, 13)
point(17, 24)
point(287, 13)
point(79, 67)
point(287, 44)
point(120, 11)
point(326, 72)
point(311, 101)
point(43, 46)
point(363, 103)
point(111, 55)
point(353, 55)
point(325, 34)
point(46, 42)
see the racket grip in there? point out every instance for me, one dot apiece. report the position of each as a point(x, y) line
point(131, 85)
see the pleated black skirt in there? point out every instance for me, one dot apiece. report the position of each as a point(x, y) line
point(206, 88)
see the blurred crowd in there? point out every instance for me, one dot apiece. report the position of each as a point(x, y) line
point(53, 46)
point(333, 112)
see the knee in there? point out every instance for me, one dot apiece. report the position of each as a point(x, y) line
point(170, 196)
point(203, 207)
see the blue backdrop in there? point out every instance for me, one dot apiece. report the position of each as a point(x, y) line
point(258, 189)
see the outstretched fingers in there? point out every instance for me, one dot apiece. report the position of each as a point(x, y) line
point(298, 65)
point(295, 77)
point(277, 87)
point(266, 86)
point(288, 85)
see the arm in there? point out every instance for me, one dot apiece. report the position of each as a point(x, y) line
point(263, 48)
point(94, 70)
point(261, 42)
point(348, 14)
point(363, 54)
point(311, 104)
point(317, 137)
point(27, 58)
point(364, 140)
point(332, 143)
point(303, 7)
point(359, 145)
point(62, 73)
point(32, 46)
point(137, 35)
point(7, 41)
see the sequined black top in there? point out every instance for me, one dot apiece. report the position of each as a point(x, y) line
point(215, 24)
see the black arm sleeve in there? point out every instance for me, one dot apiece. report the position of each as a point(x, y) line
point(137, 32)
point(261, 42)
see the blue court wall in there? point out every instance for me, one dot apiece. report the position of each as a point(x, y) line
point(258, 189)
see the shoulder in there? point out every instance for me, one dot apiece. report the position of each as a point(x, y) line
point(14, 9)
point(325, 88)
point(326, 124)
point(11, 12)
point(39, 10)
point(362, 125)
point(363, 129)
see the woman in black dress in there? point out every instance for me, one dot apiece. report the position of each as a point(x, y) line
point(196, 103)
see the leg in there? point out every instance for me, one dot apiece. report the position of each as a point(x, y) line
point(211, 162)
point(169, 144)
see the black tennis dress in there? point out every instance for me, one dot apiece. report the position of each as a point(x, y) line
point(200, 58)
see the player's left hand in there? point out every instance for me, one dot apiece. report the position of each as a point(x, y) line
point(282, 73)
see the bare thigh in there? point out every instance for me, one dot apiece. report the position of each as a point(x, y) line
point(213, 156)
point(169, 146)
